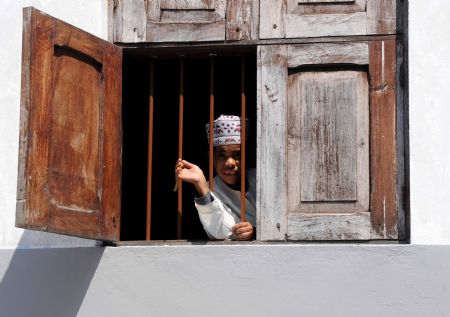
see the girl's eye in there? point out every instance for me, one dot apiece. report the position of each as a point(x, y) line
point(223, 156)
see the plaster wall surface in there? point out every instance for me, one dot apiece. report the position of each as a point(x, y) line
point(429, 100)
point(429, 74)
point(238, 280)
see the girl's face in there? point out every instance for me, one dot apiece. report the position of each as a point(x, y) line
point(227, 163)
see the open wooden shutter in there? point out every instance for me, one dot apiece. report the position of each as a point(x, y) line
point(327, 141)
point(70, 133)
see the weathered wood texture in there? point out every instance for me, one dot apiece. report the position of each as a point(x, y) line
point(313, 212)
point(130, 21)
point(328, 141)
point(69, 164)
point(329, 227)
point(187, 4)
point(324, 1)
point(356, 53)
point(381, 16)
point(183, 21)
point(271, 164)
point(383, 168)
point(271, 15)
point(293, 18)
point(240, 20)
point(137, 21)
point(329, 7)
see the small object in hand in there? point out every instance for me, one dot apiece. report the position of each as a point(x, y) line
point(175, 188)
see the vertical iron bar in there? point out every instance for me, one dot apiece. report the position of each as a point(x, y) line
point(243, 136)
point(211, 125)
point(180, 149)
point(150, 154)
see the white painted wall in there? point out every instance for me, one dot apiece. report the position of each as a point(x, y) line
point(252, 280)
point(429, 56)
point(429, 104)
point(429, 113)
point(239, 281)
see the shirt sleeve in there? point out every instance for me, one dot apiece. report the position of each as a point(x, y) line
point(217, 218)
point(204, 200)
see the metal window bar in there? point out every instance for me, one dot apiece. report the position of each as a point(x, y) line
point(211, 124)
point(180, 149)
point(243, 136)
point(150, 154)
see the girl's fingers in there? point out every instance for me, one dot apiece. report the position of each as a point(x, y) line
point(187, 164)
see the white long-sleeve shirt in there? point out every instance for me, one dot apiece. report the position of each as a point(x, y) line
point(220, 210)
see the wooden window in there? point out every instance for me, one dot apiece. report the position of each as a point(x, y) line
point(328, 114)
point(324, 132)
point(312, 18)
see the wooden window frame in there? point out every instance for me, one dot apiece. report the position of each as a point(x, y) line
point(387, 158)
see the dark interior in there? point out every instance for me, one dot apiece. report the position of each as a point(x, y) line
point(136, 77)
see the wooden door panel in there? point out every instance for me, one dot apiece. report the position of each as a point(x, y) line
point(182, 21)
point(187, 4)
point(69, 164)
point(312, 18)
point(335, 142)
point(74, 132)
point(328, 141)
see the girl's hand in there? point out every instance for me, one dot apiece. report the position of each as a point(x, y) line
point(243, 231)
point(193, 174)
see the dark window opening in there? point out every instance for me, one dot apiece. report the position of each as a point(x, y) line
point(135, 110)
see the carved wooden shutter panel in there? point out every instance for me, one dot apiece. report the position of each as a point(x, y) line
point(313, 18)
point(322, 106)
point(182, 20)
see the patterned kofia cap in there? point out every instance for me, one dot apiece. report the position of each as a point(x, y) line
point(227, 130)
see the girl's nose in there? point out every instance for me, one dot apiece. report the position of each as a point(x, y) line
point(230, 162)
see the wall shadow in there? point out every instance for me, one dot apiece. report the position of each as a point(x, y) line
point(46, 282)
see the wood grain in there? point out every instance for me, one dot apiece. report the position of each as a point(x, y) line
point(130, 21)
point(323, 1)
point(187, 4)
point(382, 199)
point(239, 20)
point(383, 168)
point(325, 25)
point(328, 118)
point(271, 21)
point(186, 21)
point(72, 93)
point(381, 16)
point(356, 53)
point(328, 136)
point(271, 180)
point(332, 7)
point(186, 32)
point(314, 18)
point(329, 227)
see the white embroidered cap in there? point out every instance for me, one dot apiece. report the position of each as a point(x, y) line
point(227, 130)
